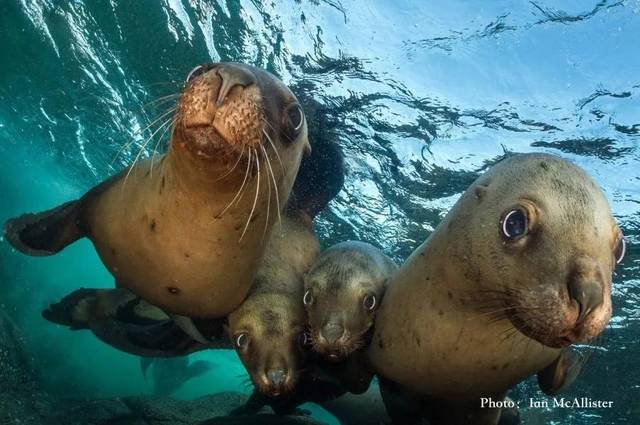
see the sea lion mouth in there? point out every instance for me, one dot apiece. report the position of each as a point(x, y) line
point(220, 111)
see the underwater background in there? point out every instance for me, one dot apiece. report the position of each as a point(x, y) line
point(423, 96)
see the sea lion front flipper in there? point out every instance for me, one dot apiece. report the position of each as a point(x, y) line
point(47, 232)
point(560, 374)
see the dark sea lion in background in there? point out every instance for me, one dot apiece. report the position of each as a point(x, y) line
point(170, 374)
point(343, 290)
point(517, 271)
point(187, 233)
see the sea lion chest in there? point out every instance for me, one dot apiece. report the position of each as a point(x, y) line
point(166, 242)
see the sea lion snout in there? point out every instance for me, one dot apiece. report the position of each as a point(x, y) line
point(221, 107)
point(586, 287)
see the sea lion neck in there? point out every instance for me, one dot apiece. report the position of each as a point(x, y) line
point(193, 174)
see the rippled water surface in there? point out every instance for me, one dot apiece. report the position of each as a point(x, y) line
point(422, 95)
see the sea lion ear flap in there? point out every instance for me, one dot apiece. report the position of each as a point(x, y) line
point(481, 191)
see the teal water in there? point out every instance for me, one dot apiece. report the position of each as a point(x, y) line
point(422, 96)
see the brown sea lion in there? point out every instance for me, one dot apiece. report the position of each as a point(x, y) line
point(518, 270)
point(343, 290)
point(269, 328)
point(187, 233)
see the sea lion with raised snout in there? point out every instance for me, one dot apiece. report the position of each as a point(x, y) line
point(518, 270)
point(187, 234)
point(343, 290)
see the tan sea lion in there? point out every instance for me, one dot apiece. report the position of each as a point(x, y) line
point(518, 270)
point(343, 290)
point(187, 233)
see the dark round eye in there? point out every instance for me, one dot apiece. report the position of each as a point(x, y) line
point(308, 298)
point(198, 70)
point(304, 339)
point(242, 341)
point(369, 302)
point(514, 224)
point(620, 250)
point(295, 118)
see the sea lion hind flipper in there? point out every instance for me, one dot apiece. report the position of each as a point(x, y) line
point(320, 178)
point(47, 232)
point(66, 311)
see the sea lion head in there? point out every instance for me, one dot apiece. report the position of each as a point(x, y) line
point(269, 335)
point(231, 114)
point(537, 237)
point(343, 290)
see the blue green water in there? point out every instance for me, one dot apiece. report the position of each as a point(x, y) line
point(422, 95)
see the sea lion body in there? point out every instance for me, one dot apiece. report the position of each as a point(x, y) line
point(187, 233)
point(518, 269)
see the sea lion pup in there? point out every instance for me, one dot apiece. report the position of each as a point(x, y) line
point(343, 290)
point(518, 270)
point(269, 328)
point(188, 233)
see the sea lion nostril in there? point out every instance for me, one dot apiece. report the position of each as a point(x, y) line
point(587, 294)
point(276, 377)
point(232, 76)
point(332, 332)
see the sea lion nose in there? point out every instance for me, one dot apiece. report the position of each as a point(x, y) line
point(332, 332)
point(586, 288)
point(276, 377)
point(232, 76)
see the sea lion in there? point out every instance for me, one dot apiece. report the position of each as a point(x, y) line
point(343, 290)
point(187, 233)
point(128, 323)
point(170, 374)
point(269, 328)
point(519, 269)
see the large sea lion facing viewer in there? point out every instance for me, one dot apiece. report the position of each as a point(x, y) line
point(519, 269)
point(343, 290)
point(187, 233)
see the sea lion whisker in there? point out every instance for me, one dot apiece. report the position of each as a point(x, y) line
point(155, 148)
point(139, 132)
point(275, 185)
point(266, 220)
point(246, 175)
point(273, 146)
point(234, 165)
point(142, 148)
point(162, 99)
point(255, 199)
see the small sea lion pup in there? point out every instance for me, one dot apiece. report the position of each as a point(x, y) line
point(343, 290)
point(187, 232)
point(517, 271)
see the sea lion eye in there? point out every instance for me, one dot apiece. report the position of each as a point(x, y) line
point(295, 118)
point(308, 298)
point(242, 341)
point(198, 70)
point(620, 250)
point(369, 302)
point(514, 224)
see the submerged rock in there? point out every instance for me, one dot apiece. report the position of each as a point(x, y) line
point(24, 402)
